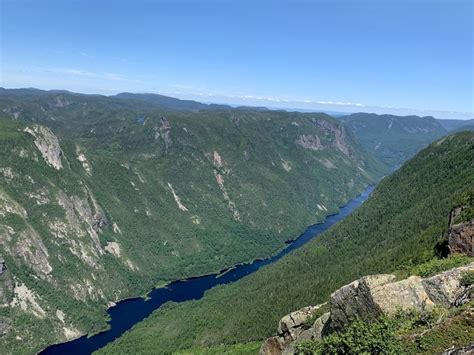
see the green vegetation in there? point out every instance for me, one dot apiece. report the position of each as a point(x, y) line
point(405, 333)
point(308, 323)
point(467, 278)
point(433, 266)
point(394, 139)
point(378, 337)
point(397, 227)
point(78, 239)
point(236, 349)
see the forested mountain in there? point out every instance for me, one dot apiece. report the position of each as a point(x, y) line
point(454, 125)
point(400, 227)
point(104, 198)
point(171, 103)
point(393, 139)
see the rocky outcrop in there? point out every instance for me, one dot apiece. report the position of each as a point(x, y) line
point(163, 130)
point(3, 265)
point(355, 301)
point(292, 325)
point(338, 134)
point(465, 350)
point(293, 328)
point(445, 288)
point(460, 235)
point(366, 299)
point(48, 145)
point(309, 141)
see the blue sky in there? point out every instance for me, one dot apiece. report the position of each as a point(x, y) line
point(380, 56)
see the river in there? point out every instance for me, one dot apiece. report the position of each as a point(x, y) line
point(127, 313)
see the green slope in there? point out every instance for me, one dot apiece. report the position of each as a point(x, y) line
point(397, 228)
point(108, 225)
point(394, 139)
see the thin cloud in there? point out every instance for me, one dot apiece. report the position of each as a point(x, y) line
point(86, 55)
point(92, 75)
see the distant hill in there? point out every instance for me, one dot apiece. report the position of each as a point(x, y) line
point(393, 139)
point(171, 102)
point(456, 125)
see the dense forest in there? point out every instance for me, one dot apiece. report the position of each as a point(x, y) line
point(397, 229)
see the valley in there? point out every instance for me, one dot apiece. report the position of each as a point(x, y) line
point(236, 177)
point(104, 198)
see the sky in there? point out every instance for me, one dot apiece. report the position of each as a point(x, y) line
point(380, 56)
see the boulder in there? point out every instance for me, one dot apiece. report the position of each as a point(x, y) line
point(291, 325)
point(445, 288)
point(272, 346)
point(354, 301)
point(373, 296)
point(292, 330)
point(402, 295)
point(315, 331)
point(367, 299)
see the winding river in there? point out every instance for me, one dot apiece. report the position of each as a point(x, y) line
point(127, 313)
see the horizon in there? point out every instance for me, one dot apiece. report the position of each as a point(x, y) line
point(398, 57)
point(403, 112)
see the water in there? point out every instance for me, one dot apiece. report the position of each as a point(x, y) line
point(129, 312)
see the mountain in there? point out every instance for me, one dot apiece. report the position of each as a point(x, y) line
point(104, 198)
point(393, 139)
point(455, 125)
point(400, 228)
point(171, 102)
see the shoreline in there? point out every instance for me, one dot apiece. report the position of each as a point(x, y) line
point(218, 274)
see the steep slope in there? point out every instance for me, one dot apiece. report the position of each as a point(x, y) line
point(104, 200)
point(397, 228)
point(393, 139)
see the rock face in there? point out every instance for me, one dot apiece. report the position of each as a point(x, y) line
point(338, 134)
point(461, 235)
point(309, 141)
point(48, 145)
point(366, 299)
point(164, 131)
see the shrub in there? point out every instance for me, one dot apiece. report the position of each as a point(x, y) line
point(359, 337)
point(467, 279)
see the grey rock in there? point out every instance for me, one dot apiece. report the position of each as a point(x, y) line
point(445, 288)
point(290, 324)
point(309, 141)
point(402, 295)
point(354, 301)
point(48, 145)
point(460, 235)
point(465, 350)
